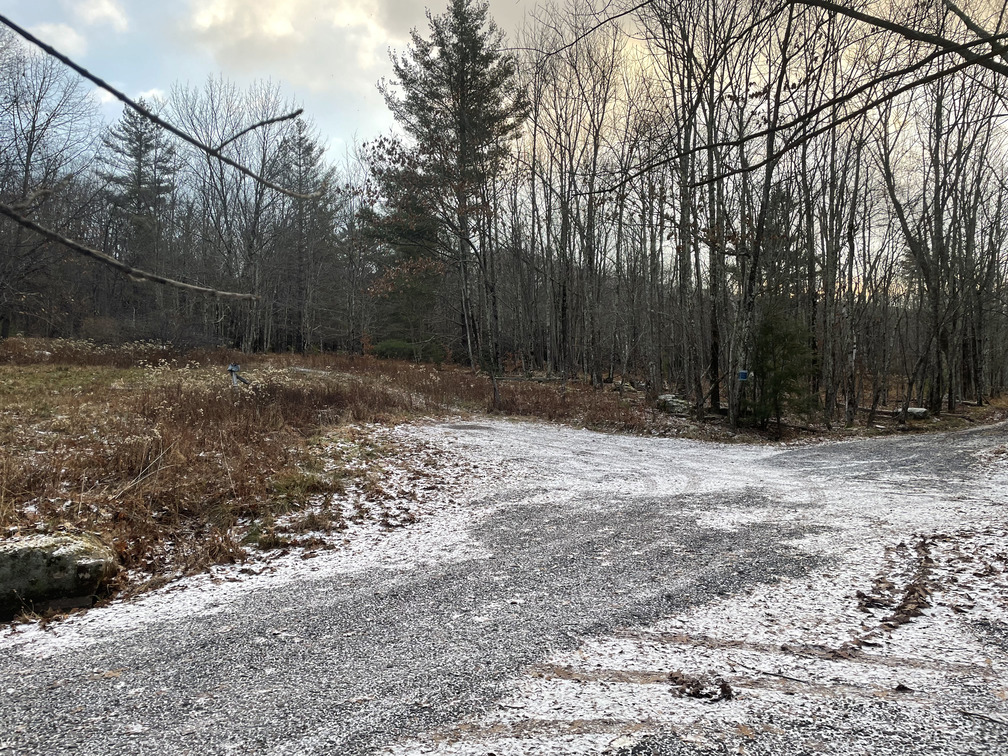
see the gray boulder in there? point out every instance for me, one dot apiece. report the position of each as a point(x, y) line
point(52, 571)
point(913, 413)
point(674, 404)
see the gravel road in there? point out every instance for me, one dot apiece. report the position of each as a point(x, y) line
point(542, 608)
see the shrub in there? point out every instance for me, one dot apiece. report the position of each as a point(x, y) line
point(395, 349)
point(782, 367)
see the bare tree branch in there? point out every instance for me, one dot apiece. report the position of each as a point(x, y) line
point(907, 33)
point(41, 193)
point(129, 102)
point(809, 115)
point(798, 140)
point(259, 125)
point(974, 27)
point(584, 35)
point(134, 273)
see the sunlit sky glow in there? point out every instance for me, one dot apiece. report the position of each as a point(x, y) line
point(326, 54)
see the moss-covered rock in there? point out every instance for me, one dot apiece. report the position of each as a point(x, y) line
point(52, 570)
point(673, 404)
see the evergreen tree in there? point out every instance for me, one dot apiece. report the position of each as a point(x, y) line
point(457, 97)
point(304, 269)
point(140, 175)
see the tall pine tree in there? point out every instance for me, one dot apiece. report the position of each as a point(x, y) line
point(140, 176)
point(140, 167)
point(457, 97)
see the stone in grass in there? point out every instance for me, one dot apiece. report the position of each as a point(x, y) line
point(674, 405)
point(913, 413)
point(52, 572)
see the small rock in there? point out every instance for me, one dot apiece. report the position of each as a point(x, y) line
point(674, 404)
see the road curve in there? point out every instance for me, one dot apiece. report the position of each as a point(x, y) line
point(434, 637)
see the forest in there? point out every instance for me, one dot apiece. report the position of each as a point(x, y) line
point(762, 206)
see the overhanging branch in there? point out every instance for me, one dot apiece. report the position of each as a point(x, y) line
point(129, 102)
point(805, 118)
point(907, 32)
point(134, 273)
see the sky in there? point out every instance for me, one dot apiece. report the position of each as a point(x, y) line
point(327, 55)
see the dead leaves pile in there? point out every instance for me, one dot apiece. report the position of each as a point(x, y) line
point(711, 689)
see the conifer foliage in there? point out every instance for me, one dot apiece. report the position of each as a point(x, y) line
point(140, 172)
point(457, 98)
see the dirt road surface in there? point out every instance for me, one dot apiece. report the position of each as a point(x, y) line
point(570, 592)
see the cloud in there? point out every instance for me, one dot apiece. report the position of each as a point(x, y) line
point(102, 97)
point(93, 12)
point(510, 14)
point(152, 96)
point(63, 37)
point(319, 44)
point(398, 17)
point(332, 52)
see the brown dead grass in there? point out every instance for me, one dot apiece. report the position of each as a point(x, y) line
point(151, 447)
point(155, 450)
point(580, 403)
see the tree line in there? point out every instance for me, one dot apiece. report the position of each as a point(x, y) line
point(153, 203)
point(765, 206)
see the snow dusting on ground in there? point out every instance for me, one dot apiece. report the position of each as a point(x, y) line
point(901, 626)
point(908, 614)
point(442, 499)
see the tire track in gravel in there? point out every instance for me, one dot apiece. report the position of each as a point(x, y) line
point(813, 671)
point(539, 616)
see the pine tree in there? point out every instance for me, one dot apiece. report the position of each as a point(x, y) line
point(140, 178)
point(458, 99)
point(305, 264)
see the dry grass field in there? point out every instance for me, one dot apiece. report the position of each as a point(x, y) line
point(152, 448)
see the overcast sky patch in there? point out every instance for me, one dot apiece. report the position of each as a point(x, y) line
point(61, 36)
point(100, 12)
point(328, 55)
